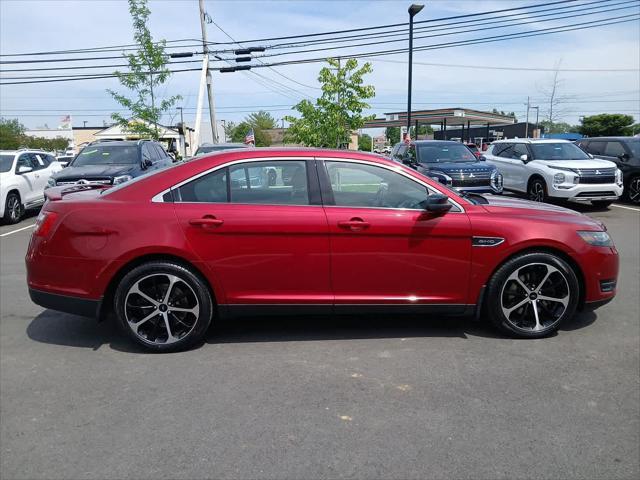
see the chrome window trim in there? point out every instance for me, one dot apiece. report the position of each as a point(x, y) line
point(394, 169)
point(157, 198)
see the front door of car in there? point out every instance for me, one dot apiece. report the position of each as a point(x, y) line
point(261, 230)
point(518, 167)
point(385, 248)
point(30, 179)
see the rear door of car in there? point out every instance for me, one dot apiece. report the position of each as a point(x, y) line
point(500, 156)
point(260, 228)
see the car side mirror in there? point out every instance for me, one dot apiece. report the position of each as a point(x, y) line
point(590, 155)
point(146, 162)
point(482, 158)
point(624, 157)
point(524, 158)
point(24, 169)
point(437, 203)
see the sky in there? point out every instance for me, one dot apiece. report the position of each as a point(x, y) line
point(452, 77)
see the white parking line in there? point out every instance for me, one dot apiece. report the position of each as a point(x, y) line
point(626, 208)
point(16, 231)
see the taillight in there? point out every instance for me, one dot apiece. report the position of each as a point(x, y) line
point(44, 223)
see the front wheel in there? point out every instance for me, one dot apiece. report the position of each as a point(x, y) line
point(601, 203)
point(163, 306)
point(532, 294)
point(633, 190)
point(13, 210)
point(537, 190)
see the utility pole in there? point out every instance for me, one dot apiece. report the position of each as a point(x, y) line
point(209, 80)
point(413, 11)
point(526, 125)
point(184, 137)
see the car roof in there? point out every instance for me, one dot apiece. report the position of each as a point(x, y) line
point(22, 150)
point(239, 145)
point(531, 140)
point(118, 143)
point(621, 138)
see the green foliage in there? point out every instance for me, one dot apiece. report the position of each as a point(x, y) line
point(261, 120)
point(364, 142)
point(558, 127)
point(606, 124)
point(392, 134)
point(12, 137)
point(338, 112)
point(501, 112)
point(422, 130)
point(147, 71)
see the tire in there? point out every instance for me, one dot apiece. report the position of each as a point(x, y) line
point(601, 203)
point(13, 210)
point(519, 311)
point(632, 190)
point(537, 190)
point(187, 310)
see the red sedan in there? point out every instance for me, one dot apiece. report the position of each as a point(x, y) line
point(276, 231)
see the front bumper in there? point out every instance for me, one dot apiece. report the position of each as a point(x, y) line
point(483, 189)
point(64, 303)
point(587, 192)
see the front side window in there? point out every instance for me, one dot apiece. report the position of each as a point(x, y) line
point(209, 188)
point(502, 150)
point(445, 153)
point(558, 151)
point(614, 149)
point(362, 185)
point(107, 155)
point(518, 150)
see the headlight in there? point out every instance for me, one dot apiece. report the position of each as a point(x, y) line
point(121, 179)
point(597, 239)
point(618, 176)
point(51, 182)
point(496, 180)
point(558, 178)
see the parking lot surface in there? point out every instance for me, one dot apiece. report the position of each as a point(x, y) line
point(322, 397)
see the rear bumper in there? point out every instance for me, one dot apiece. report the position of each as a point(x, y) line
point(64, 303)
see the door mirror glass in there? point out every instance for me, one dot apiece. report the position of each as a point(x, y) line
point(24, 169)
point(590, 155)
point(524, 158)
point(482, 158)
point(437, 203)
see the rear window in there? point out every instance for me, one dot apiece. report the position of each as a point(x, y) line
point(6, 161)
point(107, 155)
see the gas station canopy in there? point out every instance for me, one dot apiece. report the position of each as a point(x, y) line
point(443, 117)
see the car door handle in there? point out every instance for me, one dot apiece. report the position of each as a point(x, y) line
point(206, 221)
point(355, 224)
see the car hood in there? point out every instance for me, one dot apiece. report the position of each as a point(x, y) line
point(578, 164)
point(94, 171)
point(458, 166)
point(516, 207)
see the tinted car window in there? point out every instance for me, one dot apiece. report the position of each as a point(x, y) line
point(6, 161)
point(614, 149)
point(210, 188)
point(558, 151)
point(107, 155)
point(269, 183)
point(42, 160)
point(518, 150)
point(444, 153)
point(28, 160)
point(162, 155)
point(502, 150)
point(595, 148)
point(148, 152)
point(634, 146)
point(360, 185)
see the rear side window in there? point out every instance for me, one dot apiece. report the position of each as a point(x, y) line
point(595, 148)
point(614, 149)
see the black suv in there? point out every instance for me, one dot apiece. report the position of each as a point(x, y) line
point(451, 163)
point(112, 162)
point(625, 153)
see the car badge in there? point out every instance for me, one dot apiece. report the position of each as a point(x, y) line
point(471, 175)
point(597, 172)
point(82, 182)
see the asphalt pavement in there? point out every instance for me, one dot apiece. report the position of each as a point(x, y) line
point(374, 397)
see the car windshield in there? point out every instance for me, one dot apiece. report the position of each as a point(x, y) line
point(558, 151)
point(215, 148)
point(107, 155)
point(444, 153)
point(634, 146)
point(6, 161)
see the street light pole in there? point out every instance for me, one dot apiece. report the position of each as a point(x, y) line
point(207, 78)
point(413, 11)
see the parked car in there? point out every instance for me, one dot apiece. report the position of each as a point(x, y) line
point(217, 147)
point(169, 252)
point(558, 169)
point(64, 160)
point(112, 163)
point(23, 178)
point(451, 163)
point(625, 153)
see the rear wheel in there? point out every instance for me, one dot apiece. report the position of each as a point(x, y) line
point(601, 203)
point(13, 210)
point(163, 306)
point(537, 190)
point(532, 294)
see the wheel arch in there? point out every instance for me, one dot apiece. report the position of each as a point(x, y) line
point(107, 299)
point(540, 249)
point(535, 176)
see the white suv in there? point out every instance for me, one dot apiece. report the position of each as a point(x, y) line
point(557, 169)
point(23, 178)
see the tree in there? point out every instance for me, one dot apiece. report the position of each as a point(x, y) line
point(147, 71)
point(552, 97)
point(502, 112)
point(392, 134)
point(261, 120)
point(364, 142)
point(606, 124)
point(422, 130)
point(560, 127)
point(338, 112)
point(11, 134)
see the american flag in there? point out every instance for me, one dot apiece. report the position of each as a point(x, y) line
point(250, 138)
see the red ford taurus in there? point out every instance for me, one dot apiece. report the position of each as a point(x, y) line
point(279, 231)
